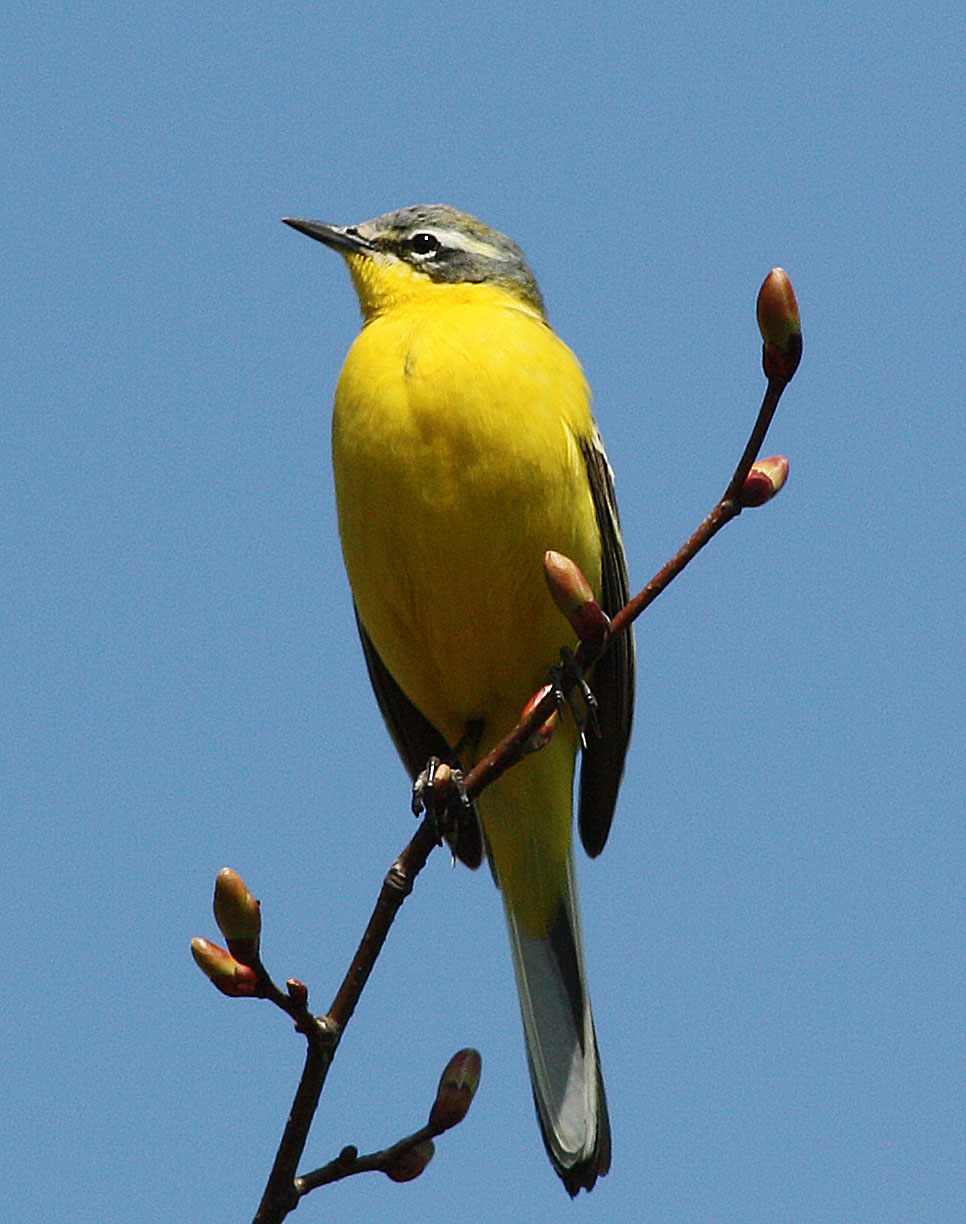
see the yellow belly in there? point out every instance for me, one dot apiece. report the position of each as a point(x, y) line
point(457, 465)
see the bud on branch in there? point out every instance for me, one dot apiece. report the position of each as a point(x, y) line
point(406, 1165)
point(544, 733)
point(780, 325)
point(457, 1086)
point(574, 596)
point(237, 914)
point(766, 478)
point(230, 976)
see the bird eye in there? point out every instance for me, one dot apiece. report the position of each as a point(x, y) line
point(426, 245)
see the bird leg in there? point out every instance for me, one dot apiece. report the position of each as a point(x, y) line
point(440, 793)
point(424, 789)
point(586, 716)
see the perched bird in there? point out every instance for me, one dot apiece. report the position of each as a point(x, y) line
point(464, 448)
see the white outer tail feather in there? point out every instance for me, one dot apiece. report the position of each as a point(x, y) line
point(561, 1045)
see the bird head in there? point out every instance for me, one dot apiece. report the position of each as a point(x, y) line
point(428, 248)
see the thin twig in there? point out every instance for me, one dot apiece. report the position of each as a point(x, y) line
point(511, 748)
point(281, 1195)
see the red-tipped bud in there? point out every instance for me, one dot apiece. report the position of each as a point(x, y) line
point(544, 733)
point(574, 596)
point(457, 1086)
point(766, 478)
point(222, 970)
point(410, 1163)
point(298, 992)
point(237, 914)
point(780, 324)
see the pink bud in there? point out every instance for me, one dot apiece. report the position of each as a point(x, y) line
point(574, 596)
point(766, 478)
point(222, 970)
point(457, 1086)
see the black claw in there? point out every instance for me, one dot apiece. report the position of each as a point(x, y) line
point(570, 669)
point(466, 836)
point(457, 821)
point(556, 687)
point(466, 803)
point(424, 792)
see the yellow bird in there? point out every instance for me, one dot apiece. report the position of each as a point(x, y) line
point(464, 448)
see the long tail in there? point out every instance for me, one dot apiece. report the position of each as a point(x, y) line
point(561, 1045)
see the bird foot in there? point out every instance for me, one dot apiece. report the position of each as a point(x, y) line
point(585, 714)
point(440, 794)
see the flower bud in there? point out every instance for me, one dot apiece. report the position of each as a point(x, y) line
point(237, 914)
point(780, 324)
point(457, 1086)
point(778, 315)
point(766, 478)
point(409, 1163)
point(222, 970)
point(298, 992)
point(574, 596)
point(544, 733)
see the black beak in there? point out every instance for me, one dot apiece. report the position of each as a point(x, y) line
point(340, 237)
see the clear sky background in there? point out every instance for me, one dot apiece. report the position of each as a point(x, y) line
point(775, 934)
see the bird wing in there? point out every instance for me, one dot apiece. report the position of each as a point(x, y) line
point(416, 739)
point(613, 682)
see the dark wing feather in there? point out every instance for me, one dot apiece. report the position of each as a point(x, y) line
point(613, 682)
point(416, 739)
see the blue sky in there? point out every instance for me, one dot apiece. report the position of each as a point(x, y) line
point(775, 933)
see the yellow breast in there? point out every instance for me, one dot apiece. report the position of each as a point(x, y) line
point(456, 449)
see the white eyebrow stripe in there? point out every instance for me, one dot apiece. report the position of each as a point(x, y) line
point(460, 240)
